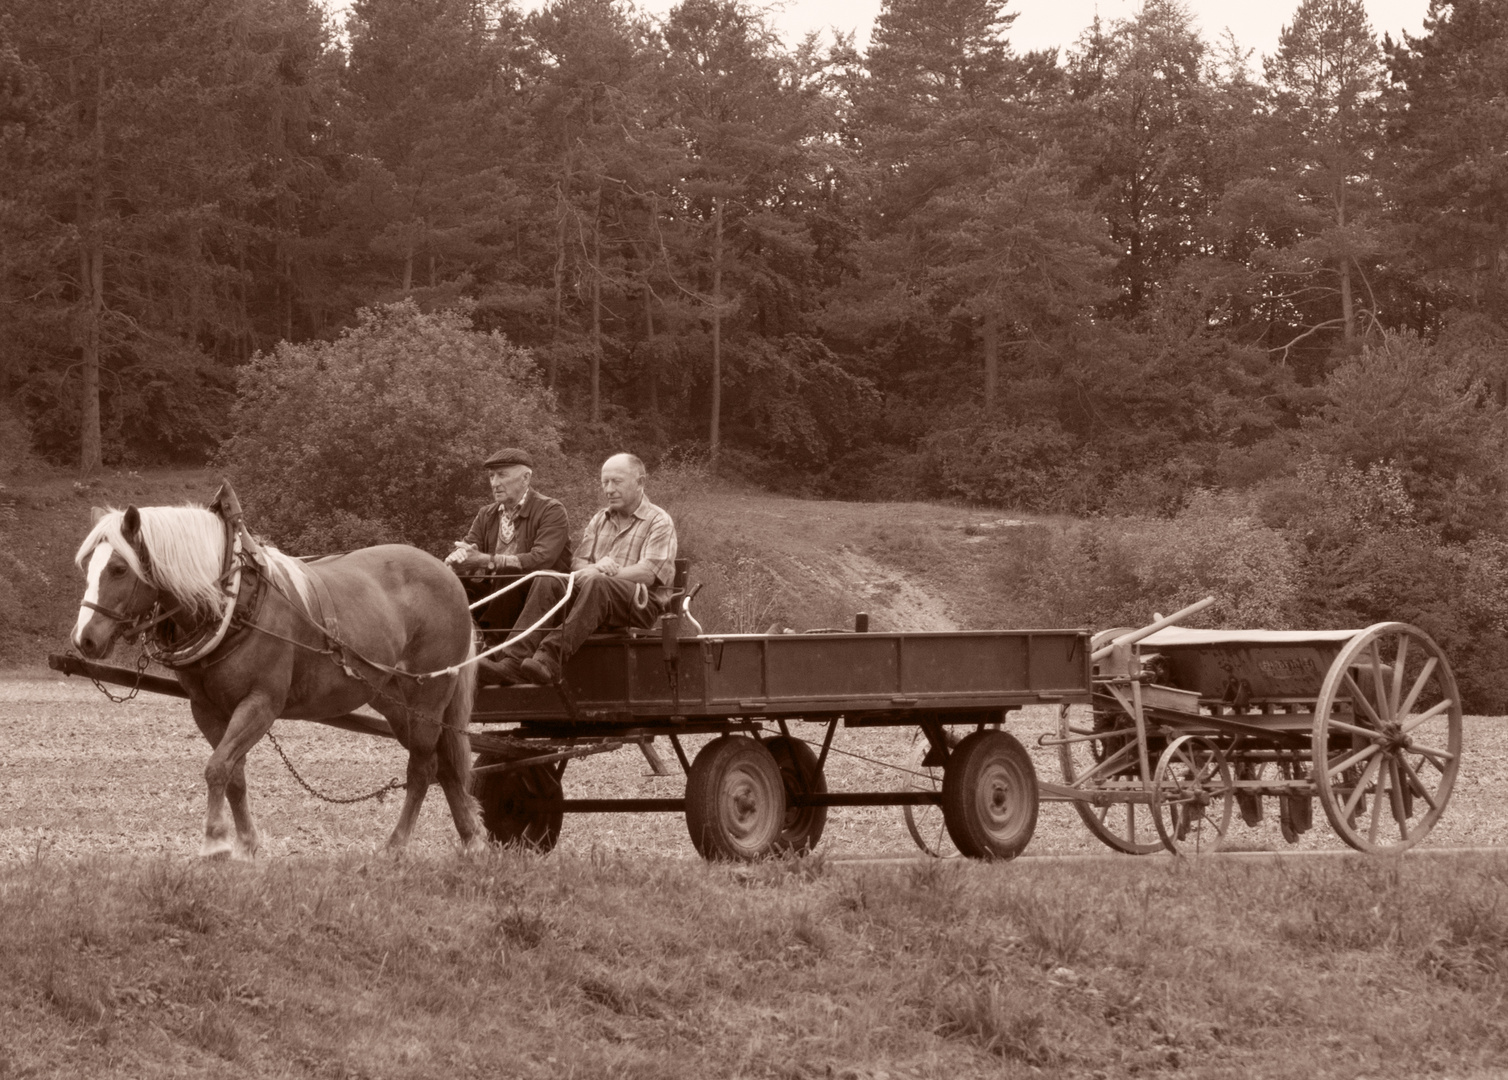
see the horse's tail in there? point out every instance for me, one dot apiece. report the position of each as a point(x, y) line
point(455, 744)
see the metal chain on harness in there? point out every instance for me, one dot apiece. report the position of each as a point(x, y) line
point(141, 669)
point(380, 794)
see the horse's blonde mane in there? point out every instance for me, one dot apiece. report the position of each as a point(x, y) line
point(296, 572)
point(186, 547)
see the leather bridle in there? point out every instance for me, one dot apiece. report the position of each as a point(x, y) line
point(133, 625)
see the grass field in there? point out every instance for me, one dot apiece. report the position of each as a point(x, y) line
point(622, 955)
point(508, 965)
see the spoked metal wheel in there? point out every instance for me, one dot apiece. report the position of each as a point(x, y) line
point(735, 800)
point(925, 822)
point(1192, 796)
point(1104, 765)
point(1387, 738)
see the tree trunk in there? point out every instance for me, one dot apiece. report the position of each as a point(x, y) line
point(92, 280)
point(1347, 305)
point(991, 361)
point(652, 366)
point(92, 289)
point(596, 357)
point(560, 266)
point(714, 433)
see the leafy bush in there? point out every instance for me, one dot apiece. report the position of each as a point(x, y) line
point(1033, 464)
point(1424, 412)
point(792, 409)
point(15, 442)
point(1118, 572)
point(379, 436)
point(1365, 557)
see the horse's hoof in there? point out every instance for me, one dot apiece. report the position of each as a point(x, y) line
point(220, 850)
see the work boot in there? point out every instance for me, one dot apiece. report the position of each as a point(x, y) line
point(539, 670)
point(505, 672)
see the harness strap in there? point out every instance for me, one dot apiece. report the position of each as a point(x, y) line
point(327, 620)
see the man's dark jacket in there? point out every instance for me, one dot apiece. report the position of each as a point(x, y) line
point(543, 537)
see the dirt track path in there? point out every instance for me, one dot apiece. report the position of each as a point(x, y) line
point(80, 776)
point(823, 545)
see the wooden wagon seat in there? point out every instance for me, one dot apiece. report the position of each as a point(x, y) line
point(673, 605)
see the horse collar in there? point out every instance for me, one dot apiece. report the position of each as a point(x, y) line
point(206, 641)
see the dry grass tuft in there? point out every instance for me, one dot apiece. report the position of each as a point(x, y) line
point(997, 1017)
point(601, 965)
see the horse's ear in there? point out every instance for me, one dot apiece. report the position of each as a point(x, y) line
point(95, 513)
point(130, 525)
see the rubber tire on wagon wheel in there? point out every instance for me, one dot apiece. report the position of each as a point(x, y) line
point(735, 800)
point(520, 807)
point(1403, 734)
point(989, 796)
point(803, 825)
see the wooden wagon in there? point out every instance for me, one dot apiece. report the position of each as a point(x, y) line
point(1189, 727)
point(1185, 728)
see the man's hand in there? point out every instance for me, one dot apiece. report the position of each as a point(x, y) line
point(466, 559)
point(462, 549)
point(608, 566)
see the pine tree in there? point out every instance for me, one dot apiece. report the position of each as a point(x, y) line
point(1446, 131)
point(139, 199)
point(1326, 79)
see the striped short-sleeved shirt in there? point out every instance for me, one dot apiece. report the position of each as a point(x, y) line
point(645, 536)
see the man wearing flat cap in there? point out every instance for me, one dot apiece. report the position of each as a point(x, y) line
point(624, 569)
point(519, 531)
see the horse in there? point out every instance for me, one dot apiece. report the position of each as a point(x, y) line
point(385, 626)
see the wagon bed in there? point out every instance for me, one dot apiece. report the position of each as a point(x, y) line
point(863, 678)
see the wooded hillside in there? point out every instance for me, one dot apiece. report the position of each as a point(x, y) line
point(1089, 278)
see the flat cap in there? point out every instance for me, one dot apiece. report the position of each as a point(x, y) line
point(511, 455)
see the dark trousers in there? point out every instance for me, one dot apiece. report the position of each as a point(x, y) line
point(598, 603)
point(500, 614)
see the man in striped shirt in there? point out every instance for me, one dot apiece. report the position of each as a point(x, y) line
point(624, 568)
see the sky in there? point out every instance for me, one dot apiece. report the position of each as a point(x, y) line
point(1043, 23)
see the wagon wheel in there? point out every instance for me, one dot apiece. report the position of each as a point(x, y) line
point(1121, 825)
point(1396, 750)
point(989, 796)
point(925, 822)
point(735, 800)
point(520, 807)
point(803, 825)
point(1192, 796)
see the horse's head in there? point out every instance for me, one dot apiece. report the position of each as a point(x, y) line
point(118, 597)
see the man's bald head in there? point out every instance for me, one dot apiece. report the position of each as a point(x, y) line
point(623, 483)
point(628, 461)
